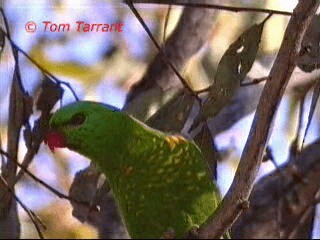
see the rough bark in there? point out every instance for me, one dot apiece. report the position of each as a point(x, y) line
point(282, 204)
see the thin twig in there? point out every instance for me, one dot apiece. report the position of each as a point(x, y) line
point(2, 157)
point(164, 57)
point(315, 97)
point(214, 6)
point(46, 72)
point(30, 213)
point(46, 185)
point(255, 81)
point(270, 156)
point(166, 24)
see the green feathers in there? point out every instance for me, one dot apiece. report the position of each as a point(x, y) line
point(160, 182)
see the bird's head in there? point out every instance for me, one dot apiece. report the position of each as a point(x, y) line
point(81, 126)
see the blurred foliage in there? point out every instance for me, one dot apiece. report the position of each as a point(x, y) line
point(59, 223)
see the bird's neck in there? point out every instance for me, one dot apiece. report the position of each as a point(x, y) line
point(128, 150)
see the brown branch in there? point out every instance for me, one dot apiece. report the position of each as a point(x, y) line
point(280, 203)
point(20, 109)
point(214, 6)
point(251, 158)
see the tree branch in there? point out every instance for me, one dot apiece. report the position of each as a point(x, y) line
point(281, 71)
point(294, 198)
point(19, 111)
point(213, 6)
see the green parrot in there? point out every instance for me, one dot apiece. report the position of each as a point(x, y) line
point(161, 182)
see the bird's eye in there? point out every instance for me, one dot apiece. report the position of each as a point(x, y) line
point(78, 119)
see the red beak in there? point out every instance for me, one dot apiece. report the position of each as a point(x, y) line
point(55, 140)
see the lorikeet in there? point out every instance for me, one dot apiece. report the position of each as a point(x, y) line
point(161, 182)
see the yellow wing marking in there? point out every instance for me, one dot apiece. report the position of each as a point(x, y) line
point(174, 140)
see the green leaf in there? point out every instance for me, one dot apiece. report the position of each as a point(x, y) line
point(173, 115)
point(232, 69)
